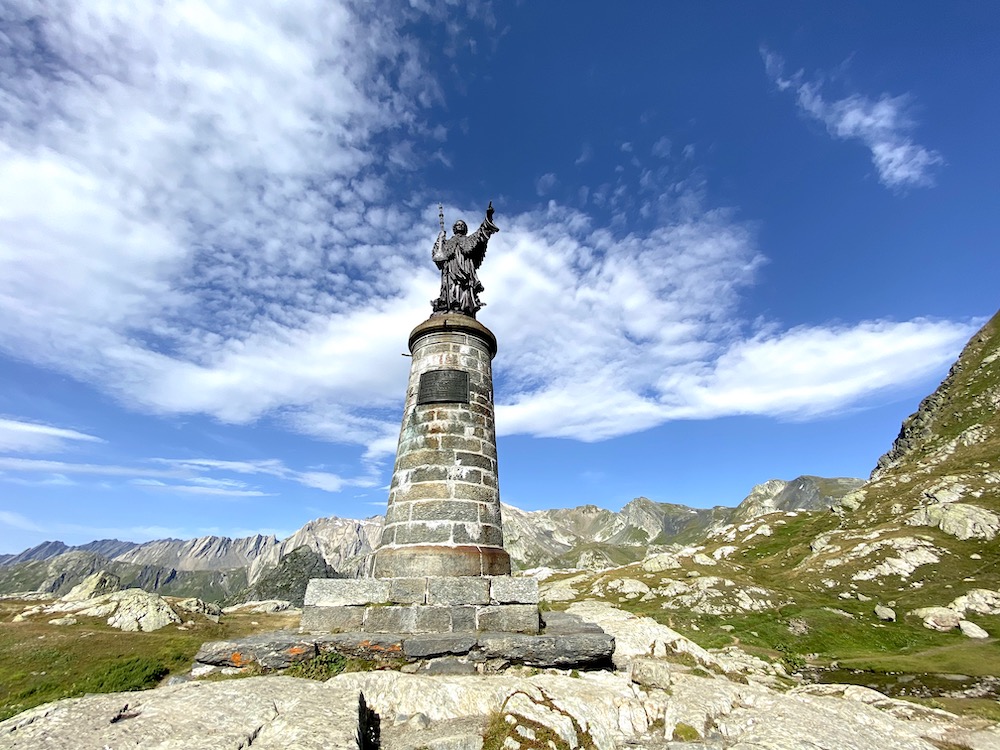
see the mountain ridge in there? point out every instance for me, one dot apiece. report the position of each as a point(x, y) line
point(217, 567)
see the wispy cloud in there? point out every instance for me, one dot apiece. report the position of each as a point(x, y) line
point(183, 475)
point(882, 125)
point(320, 480)
point(545, 183)
point(198, 489)
point(18, 521)
point(30, 437)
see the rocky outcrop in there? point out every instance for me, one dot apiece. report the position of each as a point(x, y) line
point(961, 520)
point(131, 609)
point(290, 578)
point(98, 584)
point(273, 713)
point(803, 493)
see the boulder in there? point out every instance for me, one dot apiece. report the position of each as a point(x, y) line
point(972, 630)
point(131, 609)
point(661, 562)
point(211, 610)
point(887, 614)
point(980, 601)
point(961, 520)
point(139, 610)
point(94, 585)
point(938, 618)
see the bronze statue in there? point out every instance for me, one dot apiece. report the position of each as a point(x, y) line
point(458, 258)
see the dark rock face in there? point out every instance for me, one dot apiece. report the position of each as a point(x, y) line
point(969, 394)
point(918, 426)
point(289, 580)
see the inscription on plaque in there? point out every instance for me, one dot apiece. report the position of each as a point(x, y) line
point(443, 386)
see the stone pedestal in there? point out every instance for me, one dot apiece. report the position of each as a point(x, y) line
point(422, 605)
point(441, 566)
point(443, 515)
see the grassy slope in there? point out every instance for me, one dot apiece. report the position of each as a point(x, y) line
point(41, 662)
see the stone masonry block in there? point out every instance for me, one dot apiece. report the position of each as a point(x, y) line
point(423, 457)
point(390, 619)
point(445, 510)
point(461, 443)
point(489, 513)
point(473, 533)
point(422, 491)
point(429, 473)
point(332, 619)
point(337, 592)
point(408, 590)
point(508, 618)
point(476, 492)
point(474, 459)
point(510, 590)
point(463, 619)
point(424, 646)
point(423, 533)
point(460, 590)
point(433, 620)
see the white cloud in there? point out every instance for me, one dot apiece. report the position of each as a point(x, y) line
point(881, 124)
point(18, 521)
point(604, 336)
point(545, 183)
point(662, 147)
point(320, 480)
point(190, 200)
point(185, 475)
point(31, 437)
point(198, 489)
point(67, 467)
point(808, 371)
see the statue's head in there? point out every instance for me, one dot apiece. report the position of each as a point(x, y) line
point(460, 228)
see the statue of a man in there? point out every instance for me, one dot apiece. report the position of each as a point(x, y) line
point(458, 258)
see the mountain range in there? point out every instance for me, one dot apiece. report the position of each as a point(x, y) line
point(220, 568)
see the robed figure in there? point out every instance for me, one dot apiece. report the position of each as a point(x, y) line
point(459, 257)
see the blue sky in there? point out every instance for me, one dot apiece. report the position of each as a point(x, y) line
point(739, 242)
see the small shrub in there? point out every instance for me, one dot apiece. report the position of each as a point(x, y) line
point(321, 667)
point(685, 733)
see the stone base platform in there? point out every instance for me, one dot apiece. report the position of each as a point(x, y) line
point(566, 642)
point(421, 605)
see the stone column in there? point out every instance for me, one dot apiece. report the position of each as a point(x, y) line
point(443, 517)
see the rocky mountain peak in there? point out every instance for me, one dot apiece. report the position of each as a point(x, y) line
point(967, 399)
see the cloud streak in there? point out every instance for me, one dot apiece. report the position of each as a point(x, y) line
point(30, 437)
point(882, 125)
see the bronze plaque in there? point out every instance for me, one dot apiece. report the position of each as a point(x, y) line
point(443, 387)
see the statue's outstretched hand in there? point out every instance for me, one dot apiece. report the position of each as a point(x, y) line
point(489, 212)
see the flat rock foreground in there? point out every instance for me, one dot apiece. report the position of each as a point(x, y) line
point(664, 692)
